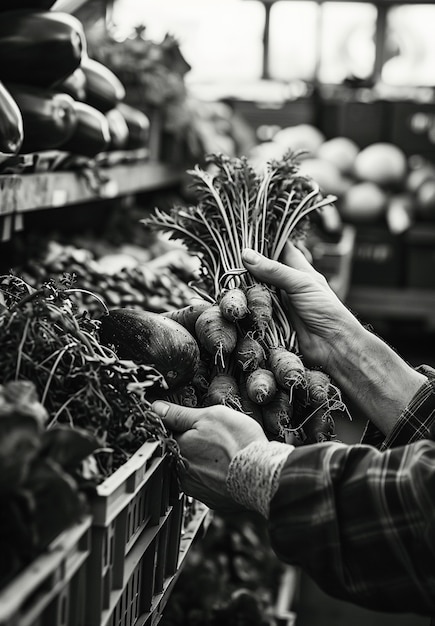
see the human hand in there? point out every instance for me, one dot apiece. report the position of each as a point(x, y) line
point(322, 322)
point(209, 438)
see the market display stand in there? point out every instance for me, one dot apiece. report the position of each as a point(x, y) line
point(392, 304)
point(22, 193)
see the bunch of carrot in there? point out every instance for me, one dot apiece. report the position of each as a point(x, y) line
point(249, 350)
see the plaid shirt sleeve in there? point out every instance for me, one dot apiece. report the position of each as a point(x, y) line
point(361, 520)
point(416, 422)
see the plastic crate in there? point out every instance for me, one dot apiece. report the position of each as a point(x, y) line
point(52, 590)
point(199, 518)
point(140, 519)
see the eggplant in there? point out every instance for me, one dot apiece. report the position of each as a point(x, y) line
point(104, 90)
point(118, 129)
point(35, 5)
point(91, 135)
point(74, 85)
point(138, 124)
point(49, 118)
point(11, 125)
point(39, 48)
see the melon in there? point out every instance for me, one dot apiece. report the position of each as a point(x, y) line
point(382, 163)
point(341, 152)
point(300, 137)
point(363, 202)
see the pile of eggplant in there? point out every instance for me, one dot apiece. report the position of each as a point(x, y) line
point(53, 96)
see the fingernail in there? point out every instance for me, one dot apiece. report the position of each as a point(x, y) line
point(250, 256)
point(160, 407)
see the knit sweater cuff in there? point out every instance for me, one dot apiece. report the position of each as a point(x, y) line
point(253, 474)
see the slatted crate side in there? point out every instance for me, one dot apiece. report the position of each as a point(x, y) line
point(128, 510)
point(119, 488)
point(51, 591)
point(194, 530)
point(144, 577)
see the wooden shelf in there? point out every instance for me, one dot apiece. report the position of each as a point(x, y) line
point(394, 304)
point(20, 193)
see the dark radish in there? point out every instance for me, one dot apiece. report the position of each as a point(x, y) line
point(151, 339)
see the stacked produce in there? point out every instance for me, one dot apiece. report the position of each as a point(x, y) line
point(249, 352)
point(375, 184)
point(53, 96)
point(157, 285)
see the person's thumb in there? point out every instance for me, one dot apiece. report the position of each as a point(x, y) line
point(272, 272)
point(175, 417)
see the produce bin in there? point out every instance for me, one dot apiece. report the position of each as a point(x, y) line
point(52, 590)
point(420, 257)
point(138, 520)
point(334, 260)
point(379, 257)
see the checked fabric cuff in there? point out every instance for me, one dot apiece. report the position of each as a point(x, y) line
point(253, 474)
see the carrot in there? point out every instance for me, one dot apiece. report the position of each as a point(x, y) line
point(188, 315)
point(233, 304)
point(250, 408)
point(277, 415)
point(261, 386)
point(320, 426)
point(223, 389)
point(318, 387)
point(260, 306)
point(216, 334)
point(287, 367)
point(249, 353)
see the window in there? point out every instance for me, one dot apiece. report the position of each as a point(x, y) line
point(221, 39)
point(293, 40)
point(347, 43)
point(410, 46)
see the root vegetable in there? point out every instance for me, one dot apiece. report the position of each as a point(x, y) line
point(320, 427)
point(151, 339)
point(261, 386)
point(260, 306)
point(318, 387)
point(223, 389)
point(188, 315)
point(277, 414)
point(233, 304)
point(287, 367)
point(249, 407)
point(216, 334)
point(249, 353)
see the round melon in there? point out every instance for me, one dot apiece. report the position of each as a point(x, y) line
point(382, 163)
point(300, 137)
point(341, 152)
point(363, 202)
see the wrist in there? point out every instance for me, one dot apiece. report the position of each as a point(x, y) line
point(373, 376)
point(253, 474)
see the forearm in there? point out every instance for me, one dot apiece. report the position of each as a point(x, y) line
point(373, 376)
